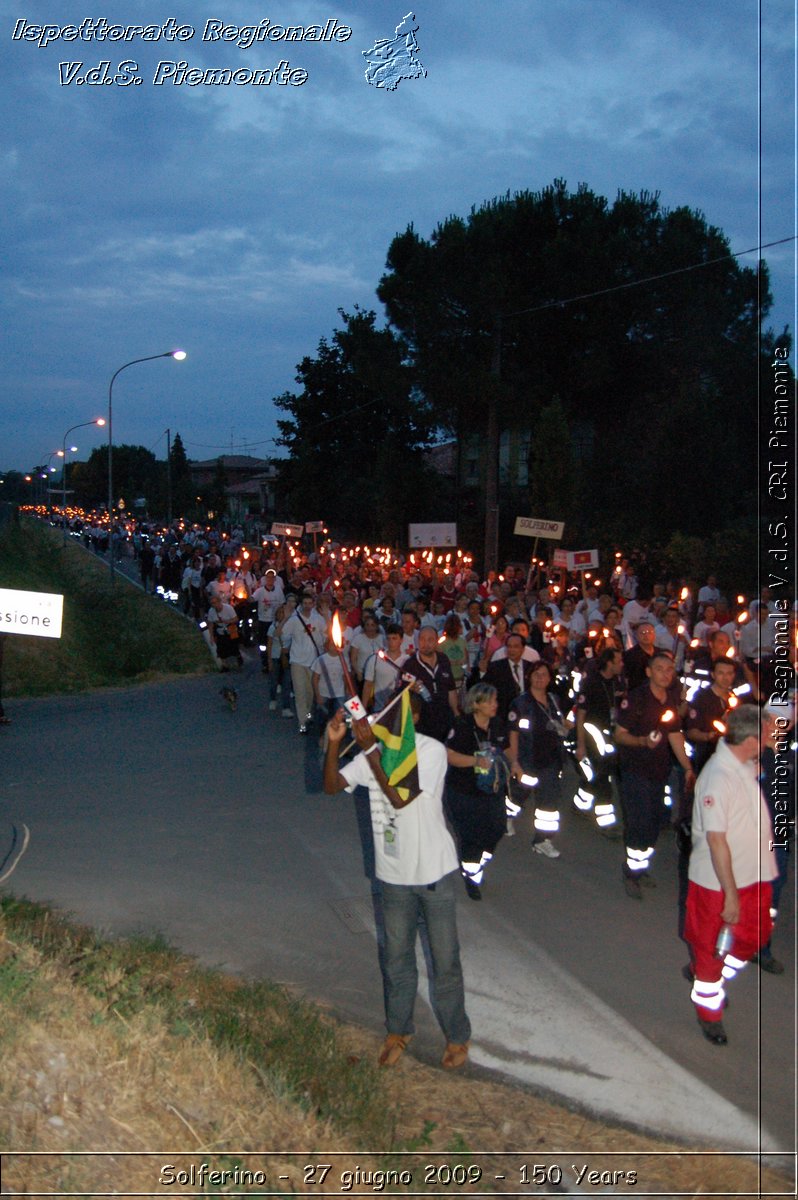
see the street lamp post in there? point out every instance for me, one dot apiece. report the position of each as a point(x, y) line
point(99, 421)
point(179, 355)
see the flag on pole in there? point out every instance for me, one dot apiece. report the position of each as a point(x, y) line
point(395, 729)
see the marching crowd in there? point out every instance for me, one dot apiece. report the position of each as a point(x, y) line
point(656, 703)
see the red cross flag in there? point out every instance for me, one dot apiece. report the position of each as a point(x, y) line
point(355, 708)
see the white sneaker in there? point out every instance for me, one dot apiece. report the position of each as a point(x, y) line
point(272, 706)
point(545, 847)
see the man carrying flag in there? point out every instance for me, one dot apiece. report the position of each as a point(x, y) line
point(416, 862)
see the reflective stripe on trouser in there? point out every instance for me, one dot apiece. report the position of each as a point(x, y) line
point(638, 860)
point(510, 807)
point(595, 786)
point(732, 965)
point(547, 820)
point(701, 927)
point(708, 994)
point(475, 870)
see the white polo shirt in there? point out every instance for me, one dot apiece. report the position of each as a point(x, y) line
point(728, 799)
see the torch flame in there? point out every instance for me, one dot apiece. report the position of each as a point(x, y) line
point(721, 728)
point(667, 716)
point(335, 631)
point(684, 593)
point(733, 700)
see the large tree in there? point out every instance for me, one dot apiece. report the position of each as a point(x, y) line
point(356, 433)
point(500, 314)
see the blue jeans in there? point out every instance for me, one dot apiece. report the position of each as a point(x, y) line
point(402, 907)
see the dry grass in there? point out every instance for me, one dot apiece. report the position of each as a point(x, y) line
point(129, 1047)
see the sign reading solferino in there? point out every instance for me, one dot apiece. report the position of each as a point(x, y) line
point(538, 528)
point(37, 613)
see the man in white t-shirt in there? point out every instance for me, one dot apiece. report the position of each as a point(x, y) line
point(417, 864)
point(268, 596)
point(731, 867)
point(304, 635)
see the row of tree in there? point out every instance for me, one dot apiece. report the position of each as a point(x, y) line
point(141, 481)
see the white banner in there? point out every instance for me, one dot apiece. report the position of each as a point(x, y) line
point(34, 613)
point(314, 527)
point(295, 531)
point(537, 527)
point(440, 534)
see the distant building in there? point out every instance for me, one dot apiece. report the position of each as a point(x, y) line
point(251, 483)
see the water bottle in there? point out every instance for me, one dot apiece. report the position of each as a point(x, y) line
point(725, 941)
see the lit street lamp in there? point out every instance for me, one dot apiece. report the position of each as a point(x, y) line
point(97, 421)
point(179, 355)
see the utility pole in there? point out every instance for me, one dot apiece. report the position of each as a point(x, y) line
point(491, 554)
point(168, 477)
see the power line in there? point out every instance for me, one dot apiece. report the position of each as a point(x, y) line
point(620, 287)
point(539, 308)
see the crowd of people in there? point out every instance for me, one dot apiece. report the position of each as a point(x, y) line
point(541, 689)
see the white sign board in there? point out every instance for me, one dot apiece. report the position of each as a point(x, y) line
point(441, 534)
point(36, 613)
point(583, 560)
point(538, 528)
point(288, 530)
point(314, 527)
point(576, 560)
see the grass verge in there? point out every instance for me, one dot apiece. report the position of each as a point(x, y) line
point(111, 636)
point(128, 1046)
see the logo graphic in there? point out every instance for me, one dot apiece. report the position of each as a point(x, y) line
point(390, 60)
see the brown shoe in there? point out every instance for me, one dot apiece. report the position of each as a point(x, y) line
point(393, 1048)
point(455, 1055)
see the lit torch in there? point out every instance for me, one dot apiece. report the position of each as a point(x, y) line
point(338, 641)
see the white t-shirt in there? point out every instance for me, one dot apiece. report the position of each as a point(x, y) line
point(362, 647)
point(425, 847)
point(304, 641)
point(268, 600)
point(728, 799)
point(331, 676)
point(384, 676)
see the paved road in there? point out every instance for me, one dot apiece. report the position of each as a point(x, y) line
point(158, 808)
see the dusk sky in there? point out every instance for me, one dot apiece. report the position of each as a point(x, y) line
point(234, 221)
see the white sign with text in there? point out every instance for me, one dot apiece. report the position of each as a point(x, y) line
point(440, 534)
point(35, 613)
point(538, 528)
point(294, 531)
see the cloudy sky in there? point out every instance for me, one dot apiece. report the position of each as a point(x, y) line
point(235, 221)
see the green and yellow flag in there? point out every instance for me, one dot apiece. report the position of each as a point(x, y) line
point(395, 729)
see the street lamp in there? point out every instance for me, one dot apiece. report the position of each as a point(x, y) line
point(99, 421)
point(179, 355)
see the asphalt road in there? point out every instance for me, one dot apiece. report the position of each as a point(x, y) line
point(157, 808)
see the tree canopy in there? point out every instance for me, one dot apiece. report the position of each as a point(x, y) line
point(356, 433)
point(637, 317)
